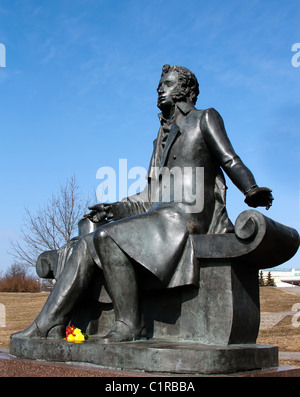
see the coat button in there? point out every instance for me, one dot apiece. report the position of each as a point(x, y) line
point(174, 157)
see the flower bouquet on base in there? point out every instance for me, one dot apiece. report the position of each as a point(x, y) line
point(74, 334)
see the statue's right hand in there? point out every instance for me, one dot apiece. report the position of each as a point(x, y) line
point(99, 212)
point(259, 197)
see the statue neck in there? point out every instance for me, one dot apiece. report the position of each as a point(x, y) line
point(168, 113)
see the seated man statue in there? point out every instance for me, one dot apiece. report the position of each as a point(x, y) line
point(154, 230)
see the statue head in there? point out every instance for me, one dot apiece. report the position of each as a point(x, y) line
point(177, 83)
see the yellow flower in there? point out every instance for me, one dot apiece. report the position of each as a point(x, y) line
point(76, 336)
point(79, 338)
point(70, 338)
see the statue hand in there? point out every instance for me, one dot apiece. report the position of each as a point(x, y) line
point(259, 197)
point(99, 212)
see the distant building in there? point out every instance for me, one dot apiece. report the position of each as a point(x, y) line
point(283, 278)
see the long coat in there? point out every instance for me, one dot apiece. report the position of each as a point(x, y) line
point(156, 229)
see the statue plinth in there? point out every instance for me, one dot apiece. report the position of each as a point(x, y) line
point(154, 355)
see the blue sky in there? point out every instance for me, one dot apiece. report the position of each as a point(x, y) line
point(79, 92)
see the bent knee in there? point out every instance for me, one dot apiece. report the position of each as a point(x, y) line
point(100, 236)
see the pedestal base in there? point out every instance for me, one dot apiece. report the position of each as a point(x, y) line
point(160, 356)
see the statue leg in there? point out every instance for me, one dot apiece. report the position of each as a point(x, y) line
point(121, 280)
point(75, 278)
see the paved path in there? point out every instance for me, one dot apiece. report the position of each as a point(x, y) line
point(294, 290)
point(289, 356)
point(269, 320)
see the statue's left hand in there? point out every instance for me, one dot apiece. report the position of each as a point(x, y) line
point(259, 197)
point(99, 212)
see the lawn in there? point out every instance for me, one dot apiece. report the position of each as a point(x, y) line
point(284, 335)
point(22, 308)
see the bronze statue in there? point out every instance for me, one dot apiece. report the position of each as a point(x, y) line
point(147, 231)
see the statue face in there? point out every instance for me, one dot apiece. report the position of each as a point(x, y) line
point(167, 89)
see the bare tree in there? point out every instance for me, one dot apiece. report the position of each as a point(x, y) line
point(51, 226)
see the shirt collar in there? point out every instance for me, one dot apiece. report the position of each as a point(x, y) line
point(184, 107)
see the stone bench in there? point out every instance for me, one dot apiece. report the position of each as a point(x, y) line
point(224, 309)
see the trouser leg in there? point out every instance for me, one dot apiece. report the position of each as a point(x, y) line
point(121, 280)
point(69, 288)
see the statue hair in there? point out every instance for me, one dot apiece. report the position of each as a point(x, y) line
point(187, 79)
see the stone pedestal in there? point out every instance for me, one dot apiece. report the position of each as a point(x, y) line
point(151, 356)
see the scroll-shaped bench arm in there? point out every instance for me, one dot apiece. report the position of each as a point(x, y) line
point(258, 241)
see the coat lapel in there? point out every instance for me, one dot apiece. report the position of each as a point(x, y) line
point(173, 134)
point(184, 108)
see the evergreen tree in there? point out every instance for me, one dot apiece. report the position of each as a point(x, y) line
point(261, 279)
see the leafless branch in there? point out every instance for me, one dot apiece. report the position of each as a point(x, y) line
point(51, 226)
